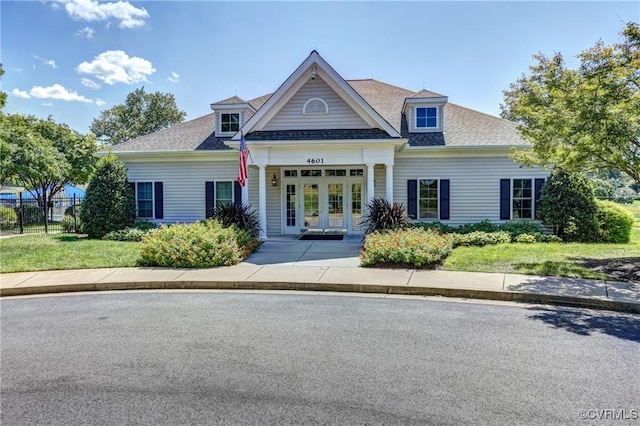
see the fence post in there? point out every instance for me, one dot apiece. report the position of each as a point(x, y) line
point(21, 214)
point(75, 215)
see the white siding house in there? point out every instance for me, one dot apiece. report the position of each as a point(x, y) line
point(322, 147)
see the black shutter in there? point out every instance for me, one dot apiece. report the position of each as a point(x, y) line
point(537, 195)
point(132, 185)
point(412, 198)
point(444, 199)
point(505, 199)
point(237, 194)
point(209, 199)
point(159, 200)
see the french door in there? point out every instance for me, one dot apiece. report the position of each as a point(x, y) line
point(324, 205)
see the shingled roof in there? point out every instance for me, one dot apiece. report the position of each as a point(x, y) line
point(462, 126)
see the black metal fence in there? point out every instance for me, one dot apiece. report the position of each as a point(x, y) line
point(24, 214)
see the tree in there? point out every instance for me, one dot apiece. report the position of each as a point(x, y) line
point(109, 203)
point(43, 155)
point(142, 113)
point(3, 95)
point(582, 119)
point(568, 204)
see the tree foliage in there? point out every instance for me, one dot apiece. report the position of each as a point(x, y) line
point(142, 113)
point(568, 205)
point(582, 119)
point(109, 203)
point(43, 155)
point(3, 95)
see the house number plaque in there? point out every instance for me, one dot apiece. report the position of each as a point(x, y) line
point(316, 160)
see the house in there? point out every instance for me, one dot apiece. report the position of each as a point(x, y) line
point(321, 147)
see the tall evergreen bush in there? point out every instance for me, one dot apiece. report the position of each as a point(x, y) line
point(109, 203)
point(568, 205)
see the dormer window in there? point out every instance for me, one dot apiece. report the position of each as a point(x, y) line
point(229, 123)
point(426, 117)
point(315, 106)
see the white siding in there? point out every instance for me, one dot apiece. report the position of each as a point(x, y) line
point(475, 183)
point(274, 203)
point(340, 116)
point(183, 184)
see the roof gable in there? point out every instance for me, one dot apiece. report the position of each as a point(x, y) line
point(316, 67)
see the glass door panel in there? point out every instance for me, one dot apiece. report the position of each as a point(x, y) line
point(311, 205)
point(335, 204)
point(356, 206)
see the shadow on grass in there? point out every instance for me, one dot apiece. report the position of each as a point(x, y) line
point(620, 268)
point(67, 238)
point(556, 268)
point(585, 322)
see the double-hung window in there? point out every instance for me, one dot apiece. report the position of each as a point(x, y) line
point(428, 199)
point(144, 199)
point(426, 117)
point(224, 192)
point(522, 199)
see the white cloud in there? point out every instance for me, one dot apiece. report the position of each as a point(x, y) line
point(86, 32)
point(128, 15)
point(100, 102)
point(174, 77)
point(47, 104)
point(57, 91)
point(45, 61)
point(115, 66)
point(87, 82)
point(20, 94)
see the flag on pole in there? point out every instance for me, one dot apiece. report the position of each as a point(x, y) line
point(242, 166)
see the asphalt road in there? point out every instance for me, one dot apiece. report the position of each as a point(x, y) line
point(239, 358)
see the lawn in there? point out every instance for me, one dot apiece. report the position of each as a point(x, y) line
point(64, 251)
point(555, 259)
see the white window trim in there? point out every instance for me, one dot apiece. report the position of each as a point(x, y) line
point(423, 219)
point(215, 191)
point(533, 197)
point(219, 131)
point(437, 127)
point(153, 199)
point(304, 107)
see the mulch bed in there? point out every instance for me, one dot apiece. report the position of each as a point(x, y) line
point(624, 269)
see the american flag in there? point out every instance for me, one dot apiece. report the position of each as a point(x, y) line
point(242, 166)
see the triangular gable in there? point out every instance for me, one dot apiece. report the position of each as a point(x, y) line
point(315, 66)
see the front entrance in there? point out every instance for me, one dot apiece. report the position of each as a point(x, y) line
point(327, 202)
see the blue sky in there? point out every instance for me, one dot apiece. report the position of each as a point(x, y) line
point(74, 58)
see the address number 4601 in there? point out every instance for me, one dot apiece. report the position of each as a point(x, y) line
point(315, 160)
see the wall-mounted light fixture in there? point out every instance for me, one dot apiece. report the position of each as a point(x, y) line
point(274, 180)
point(313, 73)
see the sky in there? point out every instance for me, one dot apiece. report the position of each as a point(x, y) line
point(72, 59)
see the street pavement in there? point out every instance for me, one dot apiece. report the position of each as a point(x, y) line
point(287, 264)
point(208, 357)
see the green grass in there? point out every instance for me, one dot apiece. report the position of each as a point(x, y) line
point(64, 251)
point(553, 259)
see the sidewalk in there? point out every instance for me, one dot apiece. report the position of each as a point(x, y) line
point(290, 264)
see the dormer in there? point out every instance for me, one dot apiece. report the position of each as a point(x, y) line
point(231, 114)
point(424, 113)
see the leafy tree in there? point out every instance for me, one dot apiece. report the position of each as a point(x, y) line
point(43, 155)
point(582, 119)
point(3, 95)
point(567, 203)
point(109, 203)
point(142, 113)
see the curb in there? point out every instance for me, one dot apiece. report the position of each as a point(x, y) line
point(572, 301)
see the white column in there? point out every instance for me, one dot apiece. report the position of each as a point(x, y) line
point(262, 199)
point(245, 192)
point(389, 179)
point(370, 183)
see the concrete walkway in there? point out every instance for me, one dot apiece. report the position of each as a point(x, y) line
point(332, 266)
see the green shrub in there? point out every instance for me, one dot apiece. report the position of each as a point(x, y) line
point(481, 238)
point(519, 227)
point(527, 238)
point(442, 228)
point(484, 226)
point(549, 238)
point(71, 210)
point(32, 214)
point(198, 245)
point(126, 234)
point(68, 223)
point(8, 217)
point(109, 202)
point(568, 205)
point(144, 225)
point(240, 216)
point(614, 223)
point(382, 215)
point(412, 247)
